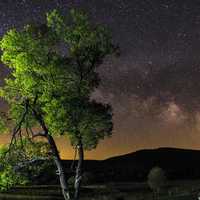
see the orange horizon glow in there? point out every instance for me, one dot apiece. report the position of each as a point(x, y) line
point(120, 144)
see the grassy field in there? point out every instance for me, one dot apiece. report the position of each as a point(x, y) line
point(177, 190)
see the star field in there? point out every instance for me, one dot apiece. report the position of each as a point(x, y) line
point(154, 85)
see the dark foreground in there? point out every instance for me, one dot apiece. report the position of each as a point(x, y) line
point(176, 190)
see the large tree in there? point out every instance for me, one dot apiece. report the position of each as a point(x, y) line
point(53, 73)
point(86, 121)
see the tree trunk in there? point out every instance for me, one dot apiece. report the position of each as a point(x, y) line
point(59, 166)
point(79, 171)
point(56, 156)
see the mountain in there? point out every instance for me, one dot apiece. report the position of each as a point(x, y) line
point(164, 157)
point(177, 164)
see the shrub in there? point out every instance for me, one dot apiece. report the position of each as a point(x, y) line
point(87, 179)
point(22, 163)
point(156, 179)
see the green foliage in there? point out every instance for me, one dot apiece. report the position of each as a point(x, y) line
point(84, 40)
point(9, 178)
point(3, 126)
point(87, 46)
point(93, 123)
point(59, 85)
point(16, 166)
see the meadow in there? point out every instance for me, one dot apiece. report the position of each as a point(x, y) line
point(176, 190)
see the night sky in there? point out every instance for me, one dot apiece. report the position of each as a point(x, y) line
point(154, 86)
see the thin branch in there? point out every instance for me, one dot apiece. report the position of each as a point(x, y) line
point(39, 134)
point(30, 129)
point(73, 163)
point(5, 115)
point(17, 128)
point(26, 163)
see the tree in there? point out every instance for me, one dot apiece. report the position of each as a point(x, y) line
point(51, 89)
point(156, 179)
point(86, 121)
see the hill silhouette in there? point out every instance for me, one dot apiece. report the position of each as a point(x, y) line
point(177, 164)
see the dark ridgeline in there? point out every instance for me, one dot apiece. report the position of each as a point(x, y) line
point(177, 163)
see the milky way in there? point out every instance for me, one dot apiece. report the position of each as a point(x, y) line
point(154, 86)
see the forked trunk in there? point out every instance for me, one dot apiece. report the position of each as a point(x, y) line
point(79, 170)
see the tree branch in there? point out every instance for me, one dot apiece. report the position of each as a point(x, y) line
point(39, 134)
point(19, 125)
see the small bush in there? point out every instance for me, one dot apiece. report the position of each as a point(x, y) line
point(16, 167)
point(87, 179)
point(156, 179)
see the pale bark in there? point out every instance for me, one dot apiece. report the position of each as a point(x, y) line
point(56, 156)
point(60, 172)
point(79, 170)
